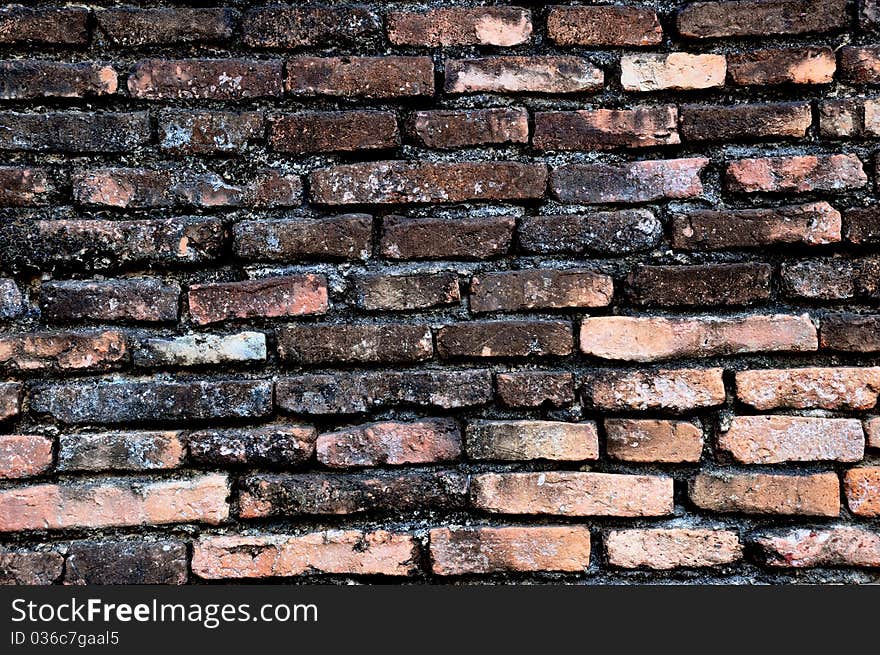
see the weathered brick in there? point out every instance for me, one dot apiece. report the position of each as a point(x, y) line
point(341, 552)
point(806, 547)
point(10, 400)
point(144, 299)
point(23, 567)
point(523, 74)
point(812, 387)
point(352, 393)
point(675, 390)
point(600, 129)
point(473, 237)
point(674, 71)
point(778, 439)
point(121, 451)
point(284, 239)
point(34, 78)
point(700, 285)
point(832, 278)
point(74, 131)
point(347, 343)
point(640, 181)
point(862, 488)
point(869, 15)
point(292, 295)
point(66, 26)
point(481, 550)
point(813, 224)
point(185, 132)
point(608, 233)
point(205, 79)
point(871, 426)
point(270, 445)
point(458, 128)
point(10, 299)
point(333, 131)
point(514, 291)
point(614, 25)
point(391, 443)
point(447, 26)
point(673, 548)
point(850, 332)
point(126, 562)
point(534, 388)
point(377, 292)
point(816, 494)
point(528, 440)
point(287, 494)
point(741, 122)
point(63, 351)
point(360, 77)
point(566, 493)
point(131, 26)
point(796, 174)
point(285, 26)
point(811, 65)
point(130, 401)
point(200, 350)
point(20, 187)
point(24, 455)
point(401, 182)
point(648, 338)
point(505, 339)
point(841, 118)
point(653, 440)
point(707, 20)
point(862, 225)
point(126, 502)
point(859, 64)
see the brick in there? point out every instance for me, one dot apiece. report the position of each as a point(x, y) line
point(833, 278)
point(129, 401)
point(663, 549)
point(529, 440)
point(841, 118)
point(816, 494)
point(776, 66)
point(370, 343)
point(286, 494)
point(30, 567)
point(700, 285)
point(675, 71)
point(607, 233)
point(514, 291)
point(871, 426)
point(11, 301)
point(391, 443)
point(504, 339)
point(566, 493)
point(25, 80)
point(806, 547)
point(185, 132)
point(403, 182)
point(333, 131)
point(63, 351)
point(347, 236)
point(24, 455)
point(448, 26)
point(126, 562)
point(121, 451)
point(200, 350)
point(850, 332)
point(708, 20)
point(812, 387)
point(144, 299)
point(515, 549)
point(292, 295)
point(640, 181)
point(74, 131)
point(205, 79)
point(274, 446)
point(376, 292)
point(284, 26)
point(534, 388)
point(340, 552)
point(869, 15)
point(473, 237)
point(603, 129)
point(10, 400)
point(653, 440)
point(522, 74)
point(20, 187)
point(352, 393)
point(778, 439)
point(459, 128)
point(647, 339)
point(813, 224)
point(862, 488)
point(128, 502)
point(859, 64)
point(796, 174)
point(360, 77)
point(740, 122)
point(130, 26)
point(675, 390)
point(614, 25)
point(862, 225)
point(63, 26)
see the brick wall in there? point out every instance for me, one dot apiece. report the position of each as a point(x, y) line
point(439, 291)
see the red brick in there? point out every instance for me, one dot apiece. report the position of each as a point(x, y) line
point(473, 237)
point(851, 332)
point(816, 494)
point(376, 292)
point(130, 26)
point(290, 239)
point(484, 339)
point(700, 285)
point(662, 549)
point(285, 26)
point(778, 439)
point(205, 79)
point(872, 431)
point(458, 128)
point(121, 451)
point(30, 567)
point(126, 562)
point(806, 547)
point(24, 80)
point(675, 71)
point(347, 343)
point(10, 399)
point(601, 129)
point(360, 77)
point(514, 291)
point(608, 233)
point(859, 64)
point(676, 390)
point(811, 65)
point(707, 20)
point(813, 387)
point(54, 351)
point(23, 456)
point(185, 132)
point(333, 131)
point(615, 25)
point(862, 488)
point(391, 443)
point(742, 122)
point(529, 440)
point(20, 187)
point(142, 299)
point(796, 174)
point(274, 446)
point(447, 26)
point(653, 440)
point(66, 26)
point(522, 74)
point(534, 388)
point(294, 295)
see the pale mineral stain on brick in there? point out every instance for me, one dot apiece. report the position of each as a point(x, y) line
point(674, 390)
point(23, 456)
point(674, 71)
point(862, 488)
point(391, 443)
point(673, 548)
point(835, 546)
point(811, 387)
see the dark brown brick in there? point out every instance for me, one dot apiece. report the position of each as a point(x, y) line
point(131, 26)
point(126, 562)
point(333, 131)
point(121, 451)
point(608, 233)
point(534, 388)
point(290, 239)
point(208, 79)
point(148, 300)
point(859, 64)
point(186, 132)
point(67, 26)
point(377, 292)
point(706, 284)
point(505, 339)
point(459, 128)
point(369, 343)
point(74, 131)
point(869, 15)
point(477, 237)
point(280, 446)
point(832, 278)
point(448, 26)
point(63, 351)
point(708, 20)
point(739, 122)
point(10, 400)
point(522, 74)
point(23, 567)
point(601, 129)
point(24, 80)
point(813, 65)
point(850, 332)
point(515, 291)
point(360, 77)
point(20, 187)
point(614, 25)
point(862, 225)
point(285, 26)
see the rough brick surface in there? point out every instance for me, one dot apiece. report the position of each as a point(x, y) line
point(121, 451)
point(803, 547)
point(604, 26)
point(675, 390)
point(296, 295)
point(498, 26)
point(23, 456)
point(126, 562)
point(510, 74)
point(782, 66)
point(653, 440)
point(390, 443)
point(816, 494)
point(777, 439)
point(862, 488)
point(673, 548)
point(527, 440)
